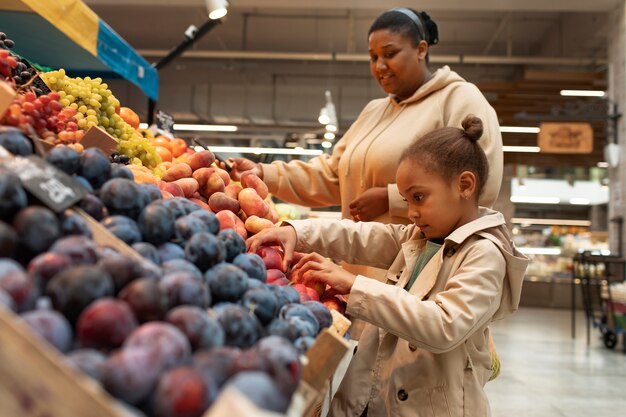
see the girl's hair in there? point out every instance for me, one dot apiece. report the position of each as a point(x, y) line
point(415, 25)
point(448, 151)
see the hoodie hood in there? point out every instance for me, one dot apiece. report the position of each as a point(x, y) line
point(441, 78)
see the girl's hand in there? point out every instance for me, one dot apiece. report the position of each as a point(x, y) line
point(373, 203)
point(241, 165)
point(317, 268)
point(284, 236)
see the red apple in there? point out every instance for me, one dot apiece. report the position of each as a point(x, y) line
point(271, 257)
point(302, 290)
point(333, 302)
point(312, 293)
point(275, 274)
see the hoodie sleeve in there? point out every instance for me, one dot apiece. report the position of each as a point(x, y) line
point(466, 99)
point(470, 299)
point(314, 183)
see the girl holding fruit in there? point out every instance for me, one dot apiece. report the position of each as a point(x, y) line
point(425, 349)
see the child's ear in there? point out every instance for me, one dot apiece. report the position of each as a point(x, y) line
point(467, 184)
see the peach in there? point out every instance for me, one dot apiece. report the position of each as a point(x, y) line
point(201, 203)
point(333, 302)
point(164, 165)
point(229, 220)
point(312, 293)
point(176, 172)
point(252, 203)
point(202, 175)
point(166, 194)
point(145, 178)
point(178, 147)
point(275, 274)
point(172, 188)
point(232, 190)
point(188, 185)
point(220, 201)
point(302, 290)
point(164, 153)
point(254, 224)
point(214, 184)
point(250, 180)
point(162, 141)
point(224, 174)
point(199, 196)
point(271, 258)
point(141, 168)
point(201, 159)
point(272, 214)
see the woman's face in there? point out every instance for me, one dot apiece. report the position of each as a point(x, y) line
point(398, 66)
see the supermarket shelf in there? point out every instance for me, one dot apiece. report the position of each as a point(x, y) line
point(68, 34)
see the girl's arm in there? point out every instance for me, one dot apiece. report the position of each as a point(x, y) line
point(469, 300)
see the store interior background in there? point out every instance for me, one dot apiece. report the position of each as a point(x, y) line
point(266, 67)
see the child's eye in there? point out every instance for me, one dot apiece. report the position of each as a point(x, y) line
point(373, 58)
point(418, 197)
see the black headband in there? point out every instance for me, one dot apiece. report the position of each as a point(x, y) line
point(415, 18)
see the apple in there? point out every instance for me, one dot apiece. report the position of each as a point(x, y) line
point(271, 258)
point(333, 302)
point(275, 274)
point(302, 290)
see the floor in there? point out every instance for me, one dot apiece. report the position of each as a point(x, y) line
point(546, 373)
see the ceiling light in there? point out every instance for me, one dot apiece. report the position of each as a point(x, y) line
point(143, 125)
point(550, 222)
point(216, 8)
point(518, 129)
point(275, 151)
point(331, 127)
point(205, 128)
point(535, 200)
point(579, 201)
point(329, 135)
point(323, 118)
point(602, 164)
point(583, 93)
point(533, 149)
point(327, 145)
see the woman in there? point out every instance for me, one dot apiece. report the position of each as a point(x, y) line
point(359, 174)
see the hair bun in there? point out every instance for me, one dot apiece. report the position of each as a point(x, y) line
point(432, 33)
point(473, 127)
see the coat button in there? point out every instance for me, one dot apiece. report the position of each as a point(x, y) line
point(412, 348)
point(402, 395)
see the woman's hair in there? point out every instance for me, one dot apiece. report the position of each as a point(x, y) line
point(415, 25)
point(448, 151)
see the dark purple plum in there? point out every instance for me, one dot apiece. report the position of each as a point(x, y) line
point(121, 196)
point(187, 226)
point(285, 294)
point(37, 228)
point(209, 219)
point(148, 251)
point(302, 318)
point(131, 373)
point(124, 228)
point(304, 343)
point(20, 286)
point(89, 361)
point(156, 224)
point(233, 242)
point(73, 224)
point(12, 195)
point(105, 324)
point(6, 301)
point(46, 265)
point(152, 192)
point(121, 171)
point(174, 205)
point(284, 358)
point(181, 265)
point(14, 141)
point(203, 331)
point(121, 268)
point(227, 282)
point(216, 363)
point(283, 328)
point(146, 298)
point(171, 344)
point(169, 251)
point(83, 182)
point(51, 326)
point(261, 389)
point(184, 288)
point(94, 167)
point(8, 241)
point(93, 206)
point(255, 283)
point(79, 249)
point(253, 265)
point(204, 250)
point(183, 392)
point(321, 313)
point(73, 289)
point(262, 303)
point(241, 328)
point(64, 158)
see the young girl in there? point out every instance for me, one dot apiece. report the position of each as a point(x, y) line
point(425, 350)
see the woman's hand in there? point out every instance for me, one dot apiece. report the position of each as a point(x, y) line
point(241, 165)
point(373, 203)
point(317, 268)
point(284, 236)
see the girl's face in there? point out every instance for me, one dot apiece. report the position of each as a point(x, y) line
point(398, 66)
point(437, 206)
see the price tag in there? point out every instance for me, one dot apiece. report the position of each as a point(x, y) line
point(165, 121)
point(53, 187)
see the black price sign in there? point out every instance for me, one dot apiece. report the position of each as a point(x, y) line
point(165, 121)
point(53, 187)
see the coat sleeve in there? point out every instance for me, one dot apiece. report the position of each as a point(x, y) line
point(363, 243)
point(467, 99)
point(314, 183)
point(470, 298)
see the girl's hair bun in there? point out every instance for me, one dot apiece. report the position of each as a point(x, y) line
point(473, 127)
point(432, 33)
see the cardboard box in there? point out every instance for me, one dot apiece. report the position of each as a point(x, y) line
point(7, 94)
point(96, 137)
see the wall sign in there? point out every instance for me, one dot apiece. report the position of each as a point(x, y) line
point(565, 138)
point(165, 121)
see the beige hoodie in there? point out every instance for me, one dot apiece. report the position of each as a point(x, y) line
point(425, 351)
point(367, 155)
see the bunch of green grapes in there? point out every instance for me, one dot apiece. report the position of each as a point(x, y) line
point(95, 105)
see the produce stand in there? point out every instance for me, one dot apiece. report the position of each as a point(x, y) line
point(68, 34)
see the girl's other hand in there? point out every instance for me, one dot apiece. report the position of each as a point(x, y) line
point(314, 267)
point(284, 236)
point(241, 165)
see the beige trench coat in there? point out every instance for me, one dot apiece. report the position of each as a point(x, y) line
point(425, 352)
